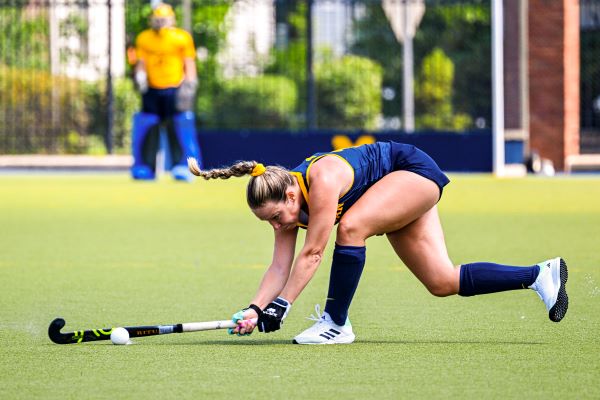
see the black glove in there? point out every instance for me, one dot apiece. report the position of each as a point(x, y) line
point(273, 315)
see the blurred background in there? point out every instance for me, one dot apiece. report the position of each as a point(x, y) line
point(281, 79)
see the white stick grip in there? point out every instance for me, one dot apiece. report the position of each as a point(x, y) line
point(209, 325)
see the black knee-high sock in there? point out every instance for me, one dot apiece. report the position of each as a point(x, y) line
point(346, 269)
point(482, 277)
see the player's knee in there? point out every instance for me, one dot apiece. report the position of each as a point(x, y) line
point(349, 231)
point(441, 287)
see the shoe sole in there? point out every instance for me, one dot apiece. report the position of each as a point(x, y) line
point(294, 341)
point(559, 309)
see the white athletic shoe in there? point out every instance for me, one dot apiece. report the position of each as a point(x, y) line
point(325, 331)
point(550, 286)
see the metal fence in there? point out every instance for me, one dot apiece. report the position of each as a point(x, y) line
point(291, 65)
point(590, 76)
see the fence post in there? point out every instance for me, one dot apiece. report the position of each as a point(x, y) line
point(186, 9)
point(109, 87)
point(311, 106)
point(498, 87)
point(408, 70)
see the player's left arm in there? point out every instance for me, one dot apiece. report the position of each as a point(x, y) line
point(189, 67)
point(189, 58)
point(186, 93)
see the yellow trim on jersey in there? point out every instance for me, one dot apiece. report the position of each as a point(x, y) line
point(303, 188)
point(298, 176)
point(331, 154)
point(310, 164)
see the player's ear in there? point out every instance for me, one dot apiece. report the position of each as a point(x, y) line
point(290, 194)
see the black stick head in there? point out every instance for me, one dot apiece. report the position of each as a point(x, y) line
point(54, 332)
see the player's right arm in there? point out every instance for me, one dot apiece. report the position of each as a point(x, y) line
point(274, 278)
point(278, 272)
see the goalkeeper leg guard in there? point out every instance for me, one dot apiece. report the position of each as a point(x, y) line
point(142, 168)
point(185, 132)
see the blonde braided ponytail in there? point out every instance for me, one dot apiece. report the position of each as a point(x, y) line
point(240, 168)
point(266, 184)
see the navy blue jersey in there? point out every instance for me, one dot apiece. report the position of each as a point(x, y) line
point(370, 163)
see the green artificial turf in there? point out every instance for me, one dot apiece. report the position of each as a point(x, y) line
point(101, 250)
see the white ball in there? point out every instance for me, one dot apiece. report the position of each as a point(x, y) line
point(120, 336)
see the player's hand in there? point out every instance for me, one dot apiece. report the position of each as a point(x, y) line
point(245, 325)
point(273, 315)
point(186, 94)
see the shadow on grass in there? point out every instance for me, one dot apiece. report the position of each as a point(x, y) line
point(241, 342)
point(266, 342)
point(488, 342)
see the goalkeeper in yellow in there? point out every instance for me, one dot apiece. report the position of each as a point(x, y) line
point(165, 75)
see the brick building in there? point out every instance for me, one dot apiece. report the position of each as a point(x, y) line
point(553, 79)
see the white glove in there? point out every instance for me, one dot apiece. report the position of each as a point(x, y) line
point(141, 80)
point(186, 94)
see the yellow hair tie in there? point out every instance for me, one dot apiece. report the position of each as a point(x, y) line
point(258, 169)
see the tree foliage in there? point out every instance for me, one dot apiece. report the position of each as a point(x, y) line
point(348, 93)
point(209, 36)
point(263, 102)
point(374, 39)
point(24, 38)
point(463, 32)
point(288, 57)
point(461, 29)
point(433, 94)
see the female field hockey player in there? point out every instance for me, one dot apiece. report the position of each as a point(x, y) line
point(382, 188)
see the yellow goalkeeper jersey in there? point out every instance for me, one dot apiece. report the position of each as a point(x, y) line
point(163, 53)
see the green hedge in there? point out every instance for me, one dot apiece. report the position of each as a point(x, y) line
point(24, 36)
point(263, 102)
point(42, 113)
point(348, 92)
point(126, 103)
point(39, 111)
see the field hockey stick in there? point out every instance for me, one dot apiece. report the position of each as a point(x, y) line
point(93, 335)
